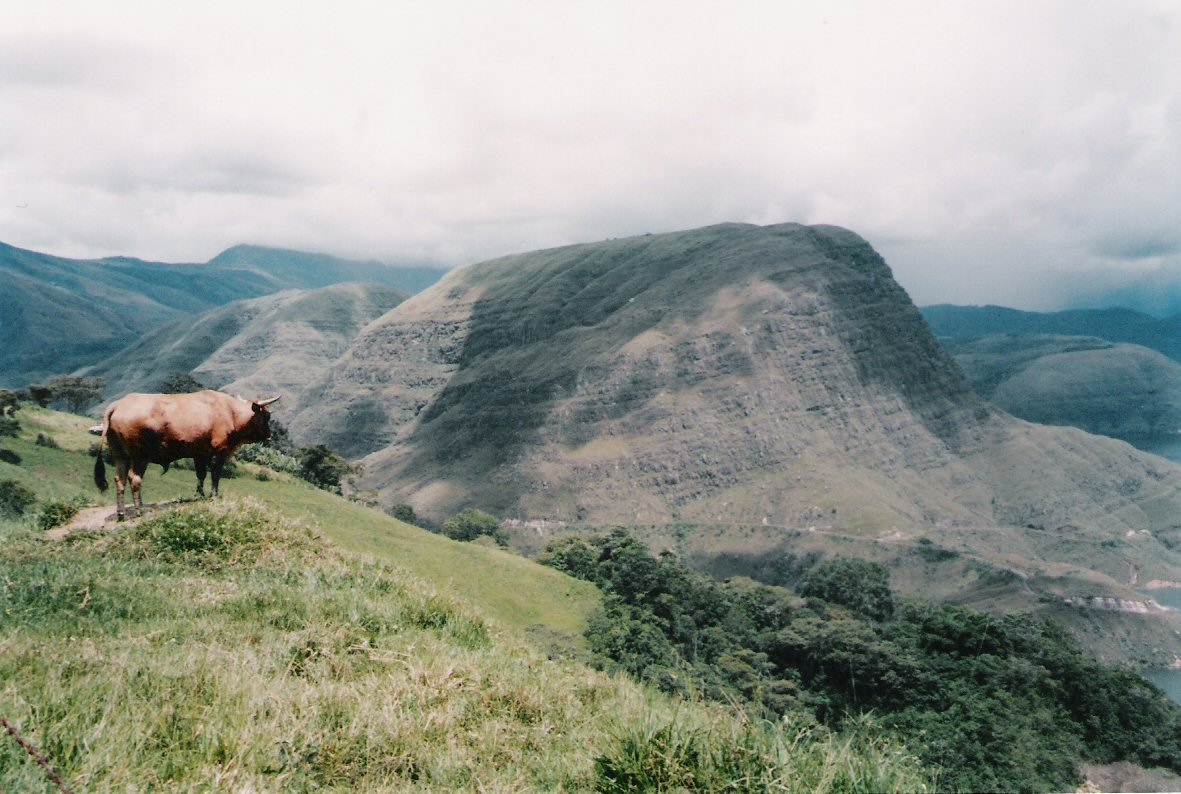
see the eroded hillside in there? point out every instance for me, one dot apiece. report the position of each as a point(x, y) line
point(755, 385)
point(276, 344)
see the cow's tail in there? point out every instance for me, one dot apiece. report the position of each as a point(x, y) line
point(100, 469)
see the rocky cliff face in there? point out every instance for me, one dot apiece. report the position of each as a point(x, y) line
point(751, 382)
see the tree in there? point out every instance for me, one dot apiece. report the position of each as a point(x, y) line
point(574, 555)
point(75, 392)
point(40, 394)
point(404, 512)
point(860, 585)
point(323, 467)
point(471, 523)
point(280, 438)
point(180, 383)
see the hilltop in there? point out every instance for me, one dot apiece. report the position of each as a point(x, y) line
point(750, 396)
point(59, 314)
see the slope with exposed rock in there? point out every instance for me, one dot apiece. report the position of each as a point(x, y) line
point(276, 344)
point(748, 393)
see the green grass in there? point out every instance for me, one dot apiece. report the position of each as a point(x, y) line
point(221, 646)
point(508, 590)
point(281, 639)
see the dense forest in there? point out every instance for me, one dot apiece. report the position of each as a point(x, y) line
point(996, 703)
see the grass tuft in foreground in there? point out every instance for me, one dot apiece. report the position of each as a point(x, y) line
point(221, 647)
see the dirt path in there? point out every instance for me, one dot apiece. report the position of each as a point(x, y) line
point(86, 518)
point(90, 519)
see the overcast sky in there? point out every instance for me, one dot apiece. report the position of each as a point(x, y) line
point(1004, 152)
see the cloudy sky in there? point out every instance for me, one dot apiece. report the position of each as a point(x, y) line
point(1021, 153)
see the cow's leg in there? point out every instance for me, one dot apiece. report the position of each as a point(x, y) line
point(200, 464)
point(215, 466)
point(120, 485)
point(137, 480)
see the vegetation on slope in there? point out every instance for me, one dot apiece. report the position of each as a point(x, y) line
point(997, 703)
point(230, 645)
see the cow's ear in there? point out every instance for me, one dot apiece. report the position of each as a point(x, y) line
point(256, 407)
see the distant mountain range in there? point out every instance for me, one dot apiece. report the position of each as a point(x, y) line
point(1113, 325)
point(59, 314)
point(1109, 371)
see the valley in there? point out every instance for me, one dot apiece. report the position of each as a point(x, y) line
point(751, 402)
point(753, 398)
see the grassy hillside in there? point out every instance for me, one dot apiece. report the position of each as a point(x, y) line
point(480, 576)
point(240, 645)
point(310, 270)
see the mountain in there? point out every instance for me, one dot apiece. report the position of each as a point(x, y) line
point(287, 269)
point(58, 314)
point(275, 344)
point(751, 396)
point(1114, 325)
point(1120, 390)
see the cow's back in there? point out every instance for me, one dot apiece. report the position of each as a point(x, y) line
point(176, 425)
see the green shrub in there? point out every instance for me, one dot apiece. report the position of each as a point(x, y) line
point(273, 459)
point(404, 513)
point(15, 499)
point(324, 468)
point(47, 441)
point(8, 456)
point(55, 514)
point(471, 523)
point(997, 703)
point(9, 427)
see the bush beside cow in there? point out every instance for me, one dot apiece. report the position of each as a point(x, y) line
point(207, 426)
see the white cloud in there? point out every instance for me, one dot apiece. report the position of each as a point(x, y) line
point(981, 146)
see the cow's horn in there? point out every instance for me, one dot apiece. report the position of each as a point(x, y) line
point(268, 402)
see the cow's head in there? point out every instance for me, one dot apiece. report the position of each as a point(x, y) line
point(258, 428)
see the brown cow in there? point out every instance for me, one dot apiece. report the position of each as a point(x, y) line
point(207, 426)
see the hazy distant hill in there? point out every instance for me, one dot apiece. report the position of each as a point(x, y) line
point(751, 395)
point(58, 314)
point(1114, 325)
point(276, 344)
point(287, 269)
point(1084, 367)
point(1118, 390)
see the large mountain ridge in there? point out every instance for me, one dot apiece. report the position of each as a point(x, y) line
point(745, 393)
